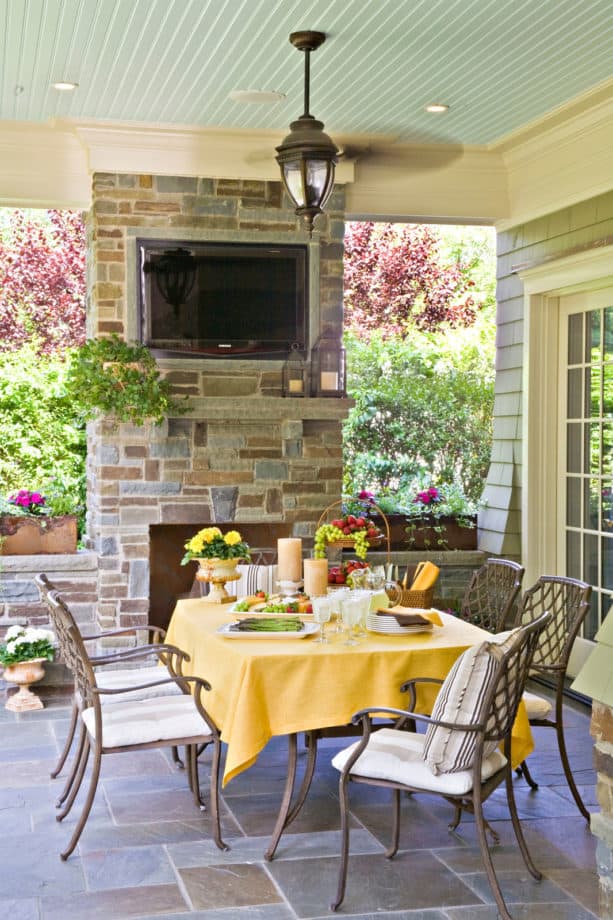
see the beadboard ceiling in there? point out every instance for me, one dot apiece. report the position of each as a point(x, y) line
point(498, 64)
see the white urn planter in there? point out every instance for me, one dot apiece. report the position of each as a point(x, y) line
point(216, 573)
point(24, 673)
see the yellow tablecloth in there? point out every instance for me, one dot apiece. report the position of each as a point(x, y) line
point(266, 687)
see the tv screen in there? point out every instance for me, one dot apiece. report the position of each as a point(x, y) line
point(221, 298)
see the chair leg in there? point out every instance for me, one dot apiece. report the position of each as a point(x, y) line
point(457, 817)
point(393, 847)
point(176, 759)
point(74, 790)
point(75, 765)
point(517, 825)
point(195, 782)
point(567, 768)
point(523, 770)
point(74, 715)
point(343, 795)
point(487, 857)
point(214, 796)
point(91, 793)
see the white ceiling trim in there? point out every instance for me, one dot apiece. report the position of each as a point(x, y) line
point(537, 173)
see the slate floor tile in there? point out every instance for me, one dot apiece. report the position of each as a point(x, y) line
point(120, 904)
point(127, 867)
point(375, 884)
point(20, 908)
point(565, 910)
point(234, 885)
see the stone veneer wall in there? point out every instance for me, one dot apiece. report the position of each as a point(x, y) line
point(244, 453)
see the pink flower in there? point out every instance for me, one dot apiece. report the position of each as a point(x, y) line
point(368, 496)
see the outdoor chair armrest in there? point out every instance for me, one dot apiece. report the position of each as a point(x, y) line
point(157, 631)
point(409, 686)
point(364, 716)
point(176, 656)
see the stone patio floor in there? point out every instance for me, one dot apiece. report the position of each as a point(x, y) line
point(146, 850)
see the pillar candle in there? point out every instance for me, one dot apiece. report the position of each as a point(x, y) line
point(289, 559)
point(315, 577)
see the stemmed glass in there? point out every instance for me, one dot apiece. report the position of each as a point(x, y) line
point(350, 614)
point(322, 610)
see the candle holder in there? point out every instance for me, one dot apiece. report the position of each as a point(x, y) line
point(289, 589)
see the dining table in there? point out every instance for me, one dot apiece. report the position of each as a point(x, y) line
point(264, 686)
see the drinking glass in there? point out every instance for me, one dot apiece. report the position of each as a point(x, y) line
point(322, 610)
point(350, 613)
point(362, 599)
point(376, 578)
point(336, 597)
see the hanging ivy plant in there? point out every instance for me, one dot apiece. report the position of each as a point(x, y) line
point(110, 377)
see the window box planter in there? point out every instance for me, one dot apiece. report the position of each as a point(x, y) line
point(29, 536)
point(429, 532)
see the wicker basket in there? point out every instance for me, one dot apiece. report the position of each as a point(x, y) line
point(349, 543)
point(406, 598)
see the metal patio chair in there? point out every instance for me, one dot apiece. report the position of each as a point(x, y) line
point(491, 593)
point(140, 725)
point(126, 677)
point(458, 757)
point(568, 600)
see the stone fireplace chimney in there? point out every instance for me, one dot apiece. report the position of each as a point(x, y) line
point(244, 454)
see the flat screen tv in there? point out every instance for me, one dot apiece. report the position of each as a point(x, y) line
point(221, 299)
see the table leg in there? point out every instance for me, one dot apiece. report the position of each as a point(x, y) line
point(287, 813)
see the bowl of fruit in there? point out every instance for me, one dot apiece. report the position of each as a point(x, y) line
point(357, 532)
point(343, 574)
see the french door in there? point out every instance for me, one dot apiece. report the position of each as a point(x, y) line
point(585, 446)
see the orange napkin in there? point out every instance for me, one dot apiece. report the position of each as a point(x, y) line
point(426, 576)
point(430, 615)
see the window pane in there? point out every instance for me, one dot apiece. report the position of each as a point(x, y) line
point(607, 390)
point(573, 449)
point(592, 385)
point(591, 508)
point(608, 334)
point(591, 624)
point(573, 554)
point(592, 342)
point(575, 338)
point(607, 562)
point(575, 393)
point(573, 502)
point(607, 509)
point(593, 431)
point(590, 559)
point(607, 450)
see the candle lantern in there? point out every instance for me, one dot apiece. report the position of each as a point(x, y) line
point(294, 372)
point(328, 366)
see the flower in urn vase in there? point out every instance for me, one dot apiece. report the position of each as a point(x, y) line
point(23, 653)
point(218, 555)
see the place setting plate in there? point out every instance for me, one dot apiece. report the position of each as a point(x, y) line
point(310, 629)
point(388, 625)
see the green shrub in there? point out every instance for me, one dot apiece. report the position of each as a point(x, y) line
point(42, 434)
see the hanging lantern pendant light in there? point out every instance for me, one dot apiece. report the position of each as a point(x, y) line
point(307, 156)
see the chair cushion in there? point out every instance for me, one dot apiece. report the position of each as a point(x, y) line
point(163, 719)
point(536, 706)
point(461, 700)
point(398, 756)
point(108, 679)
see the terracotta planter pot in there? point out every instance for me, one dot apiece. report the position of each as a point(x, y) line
point(29, 536)
point(429, 533)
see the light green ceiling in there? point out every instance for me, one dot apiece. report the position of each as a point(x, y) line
point(499, 64)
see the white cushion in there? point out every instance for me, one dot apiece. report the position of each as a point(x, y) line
point(460, 700)
point(536, 706)
point(162, 719)
point(398, 756)
point(126, 677)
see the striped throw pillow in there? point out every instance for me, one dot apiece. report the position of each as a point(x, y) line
point(461, 700)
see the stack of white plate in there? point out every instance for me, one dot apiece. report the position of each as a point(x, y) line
point(390, 626)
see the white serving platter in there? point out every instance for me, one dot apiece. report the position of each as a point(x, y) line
point(309, 630)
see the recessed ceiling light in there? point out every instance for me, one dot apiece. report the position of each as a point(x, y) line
point(64, 86)
point(265, 97)
point(437, 107)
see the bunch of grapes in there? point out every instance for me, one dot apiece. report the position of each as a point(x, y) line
point(327, 533)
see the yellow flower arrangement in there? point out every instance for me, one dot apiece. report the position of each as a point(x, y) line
point(211, 543)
